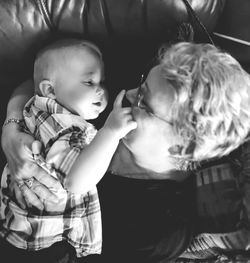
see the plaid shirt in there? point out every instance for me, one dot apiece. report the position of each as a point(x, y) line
point(76, 218)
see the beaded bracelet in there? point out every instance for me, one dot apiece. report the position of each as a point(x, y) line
point(13, 120)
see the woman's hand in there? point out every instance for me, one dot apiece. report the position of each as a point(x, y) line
point(17, 147)
point(41, 192)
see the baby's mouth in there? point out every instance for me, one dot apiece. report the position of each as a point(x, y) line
point(97, 103)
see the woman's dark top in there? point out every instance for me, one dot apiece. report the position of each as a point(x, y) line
point(145, 220)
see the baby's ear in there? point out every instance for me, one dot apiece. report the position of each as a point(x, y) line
point(46, 89)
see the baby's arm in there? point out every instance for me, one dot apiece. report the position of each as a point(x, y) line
point(94, 160)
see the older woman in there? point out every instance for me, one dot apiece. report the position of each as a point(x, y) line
point(192, 107)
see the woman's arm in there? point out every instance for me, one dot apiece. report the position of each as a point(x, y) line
point(18, 99)
point(15, 144)
point(17, 147)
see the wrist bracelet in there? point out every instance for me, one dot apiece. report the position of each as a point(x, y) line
point(13, 120)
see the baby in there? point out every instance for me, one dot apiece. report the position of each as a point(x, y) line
point(68, 79)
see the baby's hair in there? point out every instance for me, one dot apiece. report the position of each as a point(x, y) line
point(211, 109)
point(42, 58)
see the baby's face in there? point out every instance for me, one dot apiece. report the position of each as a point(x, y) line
point(78, 85)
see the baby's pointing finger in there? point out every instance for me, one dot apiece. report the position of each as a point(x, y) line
point(126, 110)
point(119, 98)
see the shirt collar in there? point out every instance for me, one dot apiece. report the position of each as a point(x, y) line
point(49, 105)
point(56, 111)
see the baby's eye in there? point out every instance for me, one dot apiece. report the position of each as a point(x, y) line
point(88, 83)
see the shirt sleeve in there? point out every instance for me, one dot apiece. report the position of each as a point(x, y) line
point(244, 179)
point(223, 206)
point(65, 150)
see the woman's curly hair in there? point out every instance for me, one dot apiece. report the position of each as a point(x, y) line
point(211, 110)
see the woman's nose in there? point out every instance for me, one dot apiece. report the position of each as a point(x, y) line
point(131, 95)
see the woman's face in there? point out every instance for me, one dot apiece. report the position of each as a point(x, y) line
point(151, 109)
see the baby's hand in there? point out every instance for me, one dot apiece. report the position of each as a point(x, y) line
point(120, 119)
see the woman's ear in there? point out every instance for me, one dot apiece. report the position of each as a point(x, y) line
point(46, 89)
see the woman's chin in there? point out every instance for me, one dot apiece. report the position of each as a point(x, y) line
point(129, 135)
point(128, 138)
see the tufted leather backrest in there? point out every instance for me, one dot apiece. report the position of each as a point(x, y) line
point(234, 22)
point(129, 31)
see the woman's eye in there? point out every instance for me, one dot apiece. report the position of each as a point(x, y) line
point(144, 106)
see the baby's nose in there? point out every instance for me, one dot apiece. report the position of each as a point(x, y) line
point(100, 91)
